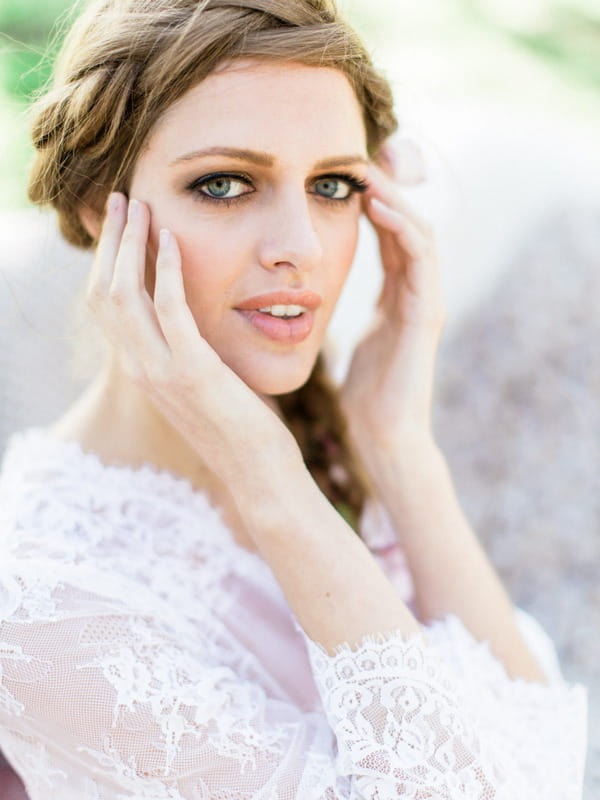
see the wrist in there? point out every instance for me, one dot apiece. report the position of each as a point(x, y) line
point(261, 485)
point(411, 467)
point(244, 453)
point(408, 449)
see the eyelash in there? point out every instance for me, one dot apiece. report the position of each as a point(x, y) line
point(357, 186)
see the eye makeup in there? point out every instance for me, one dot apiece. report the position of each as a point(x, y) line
point(354, 184)
point(224, 180)
point(222, 183)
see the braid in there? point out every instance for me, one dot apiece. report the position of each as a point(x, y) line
point(314, 416)
point(126, 61)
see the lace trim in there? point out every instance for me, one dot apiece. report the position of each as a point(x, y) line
point(430, 715)
point(69, 458)
point(442, 678)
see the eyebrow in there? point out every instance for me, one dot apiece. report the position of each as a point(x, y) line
point(265, 159)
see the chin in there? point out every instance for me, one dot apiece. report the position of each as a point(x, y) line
point(275, 376)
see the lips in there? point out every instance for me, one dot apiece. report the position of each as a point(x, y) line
point(290, 330)
point(305, 298)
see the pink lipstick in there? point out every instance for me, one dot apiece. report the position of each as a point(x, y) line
point(283, 316)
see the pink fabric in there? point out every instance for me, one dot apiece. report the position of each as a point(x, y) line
point(11, 786)
point(143, 653)
point(260, 616)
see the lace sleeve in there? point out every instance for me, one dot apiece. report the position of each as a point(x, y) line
point(121, 700)
point(445, 721)
point(143, 714)
point(100, 688)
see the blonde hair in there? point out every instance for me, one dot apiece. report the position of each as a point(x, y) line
point(124, 62)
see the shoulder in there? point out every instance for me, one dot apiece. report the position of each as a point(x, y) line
point(56, 498)
point(67, 518)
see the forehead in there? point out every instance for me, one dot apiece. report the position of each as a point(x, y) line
point(288, 109)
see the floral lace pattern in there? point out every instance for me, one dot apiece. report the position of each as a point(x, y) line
point(456, 725)
point(144, 654)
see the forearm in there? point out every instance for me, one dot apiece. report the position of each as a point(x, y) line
point(450, 569)
point(333, 585)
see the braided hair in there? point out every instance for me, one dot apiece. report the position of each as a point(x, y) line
point(123, 63)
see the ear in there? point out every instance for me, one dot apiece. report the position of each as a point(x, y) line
point(91, 220)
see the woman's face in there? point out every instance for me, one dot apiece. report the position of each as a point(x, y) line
point(257, 171)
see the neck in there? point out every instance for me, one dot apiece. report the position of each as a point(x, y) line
point(115, 419)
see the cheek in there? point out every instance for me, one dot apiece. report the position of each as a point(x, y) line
point(212, 263)
point(340, 250)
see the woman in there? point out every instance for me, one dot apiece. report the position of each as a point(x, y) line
point(188, 612)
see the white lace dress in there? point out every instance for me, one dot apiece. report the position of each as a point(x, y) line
point(144, 654)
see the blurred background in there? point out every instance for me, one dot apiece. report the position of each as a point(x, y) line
point(502, 98)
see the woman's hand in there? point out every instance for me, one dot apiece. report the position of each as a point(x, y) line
point(387, 394)
point(159, 347)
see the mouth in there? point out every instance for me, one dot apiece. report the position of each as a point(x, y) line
point(285, 317)
point(288, 330)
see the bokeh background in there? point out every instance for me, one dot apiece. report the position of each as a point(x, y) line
point(502, 98)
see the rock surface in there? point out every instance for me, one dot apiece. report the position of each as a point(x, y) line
point(518, 415)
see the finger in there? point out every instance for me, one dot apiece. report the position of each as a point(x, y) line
point(404, 230)
point(131, 315)
point(384, 188)
point(420, 267)
point(393, 255)
point(386, 159)
point(173, 313)
point(403, 160)
point(130, 264)
point(388, 296)
point(394, 260)
point(107, 249)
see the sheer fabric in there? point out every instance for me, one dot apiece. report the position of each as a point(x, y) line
point(144, 654)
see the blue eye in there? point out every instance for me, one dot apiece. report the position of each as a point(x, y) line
point(221, 187)
point(333, 188)
point(227, 188)
point(339, 188)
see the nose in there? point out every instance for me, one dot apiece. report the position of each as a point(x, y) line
point(290, 238)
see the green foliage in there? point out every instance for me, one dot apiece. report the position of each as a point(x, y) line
point(28, 44)
point(29, 19)
point(565, 37)
point(24, 71)
point(565, 34)
point(573, 49)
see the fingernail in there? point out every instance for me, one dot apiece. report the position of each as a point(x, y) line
point(375, 173)
point(165, 237)
point(411, 163)
point(390, 155)
point(134, 208)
